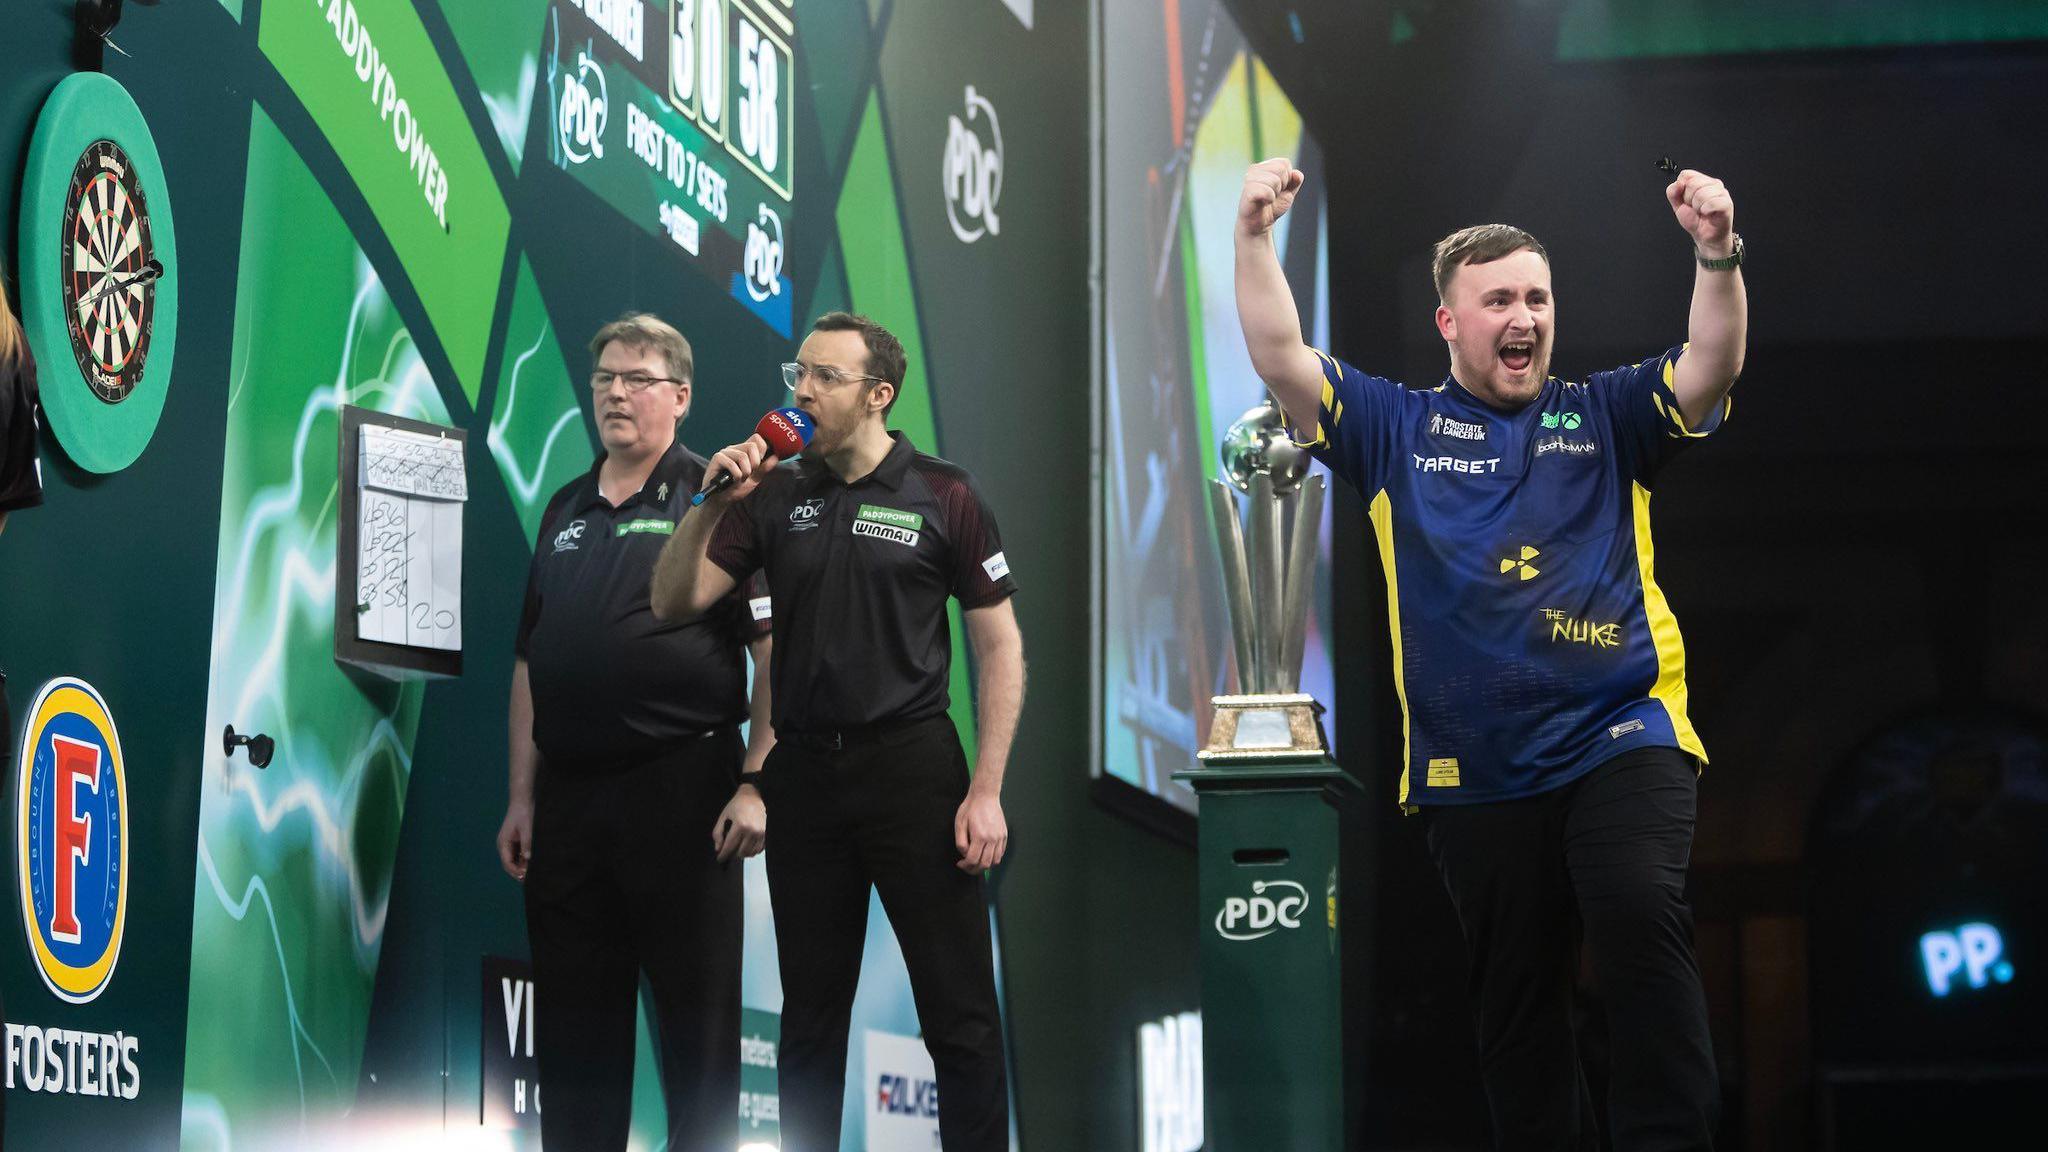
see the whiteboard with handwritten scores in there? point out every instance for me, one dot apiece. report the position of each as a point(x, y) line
point(398, 580)
point(409, 539)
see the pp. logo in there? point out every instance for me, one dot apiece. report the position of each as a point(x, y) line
point(973, 171)
point(763, 258)
point(1975, 950)
point(580, 117)
point(71, 824)
point(1243, 918)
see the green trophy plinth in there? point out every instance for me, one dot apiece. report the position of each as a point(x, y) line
point(1273, 813)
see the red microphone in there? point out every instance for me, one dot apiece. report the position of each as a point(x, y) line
point(787, 430)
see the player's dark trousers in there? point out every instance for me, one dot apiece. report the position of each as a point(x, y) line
point(879, 812)
point(1607, 855)
point(623, 881)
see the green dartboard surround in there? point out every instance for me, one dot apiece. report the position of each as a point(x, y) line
point(104, 388)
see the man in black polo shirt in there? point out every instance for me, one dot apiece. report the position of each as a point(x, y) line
point(625, 755)
point(862, 542)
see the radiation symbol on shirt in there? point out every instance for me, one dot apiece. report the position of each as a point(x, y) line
point(1521, 564)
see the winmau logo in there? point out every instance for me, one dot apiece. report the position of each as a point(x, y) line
point(580, 114)
point(973, 171)
point(763, 259)
point(885, 532)
point(1262, 915)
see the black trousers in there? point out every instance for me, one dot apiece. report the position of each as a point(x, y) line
point(1606, 856)
point(879, 813)
point(624, 881)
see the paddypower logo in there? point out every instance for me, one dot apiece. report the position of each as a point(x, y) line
point(880, 515)
point(1249, 918)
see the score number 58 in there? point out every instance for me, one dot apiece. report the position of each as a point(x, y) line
point(697, 77)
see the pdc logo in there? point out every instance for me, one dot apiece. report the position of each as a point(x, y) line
point(973, 171)
point(581, 115)
point(1261, 914)
point(71, 824)
point(762, 259)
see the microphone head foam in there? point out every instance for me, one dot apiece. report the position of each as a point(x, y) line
point(787, 431)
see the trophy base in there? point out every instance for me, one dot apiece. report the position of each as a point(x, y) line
point(1255, 729)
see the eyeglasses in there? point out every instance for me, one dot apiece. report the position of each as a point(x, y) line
point(601, 381)
point(827, 377)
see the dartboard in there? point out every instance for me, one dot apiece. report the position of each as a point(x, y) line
point(99, 271)
point(107, 253)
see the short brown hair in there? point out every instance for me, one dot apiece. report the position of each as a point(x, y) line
point(1479, 244)
point(650, 333)
point(886, 360)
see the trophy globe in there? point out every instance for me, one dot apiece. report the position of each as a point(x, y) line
point(1259, 442)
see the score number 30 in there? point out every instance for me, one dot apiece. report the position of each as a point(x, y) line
point(697, 78)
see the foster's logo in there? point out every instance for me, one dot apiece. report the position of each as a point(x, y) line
point(71, 836)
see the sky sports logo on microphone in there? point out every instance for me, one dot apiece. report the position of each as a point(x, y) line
point(787, 430)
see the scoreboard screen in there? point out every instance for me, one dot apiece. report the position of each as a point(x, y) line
point(679, 114)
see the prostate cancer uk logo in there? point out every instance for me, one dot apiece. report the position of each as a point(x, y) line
point(1261, 914)
point(71, 823)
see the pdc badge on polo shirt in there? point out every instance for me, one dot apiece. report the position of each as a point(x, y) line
point(804, 515)
point(566, 539)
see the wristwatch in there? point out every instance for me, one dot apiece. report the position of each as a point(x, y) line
point(1721, 263)
point(753, 778)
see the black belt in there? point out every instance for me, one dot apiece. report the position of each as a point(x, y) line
point(841, 739)
point(671, 746)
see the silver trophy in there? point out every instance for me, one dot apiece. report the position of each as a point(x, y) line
point(1267, 581)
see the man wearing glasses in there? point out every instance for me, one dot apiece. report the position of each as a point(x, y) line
point(862, 543)
point(628, 795)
